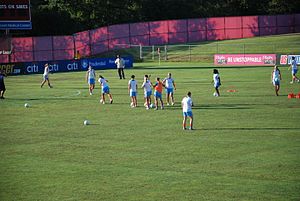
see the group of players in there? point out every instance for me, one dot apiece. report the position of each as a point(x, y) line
point(276, 75)
point(147, 86)
point(168, 83)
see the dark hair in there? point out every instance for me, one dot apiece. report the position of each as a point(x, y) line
point(293, 57)
point(132, 76)
point(157, 78)
point(146, 76)
point(189, 93)
point(216, 71)
point(101, 76)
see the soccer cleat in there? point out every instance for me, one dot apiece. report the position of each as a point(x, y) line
point(111, 101)
point(91, 93)
point(173, 103)
point(191, 128)
point(162, 107)
point(183, 128)
point(291, 82)
point(168, 104)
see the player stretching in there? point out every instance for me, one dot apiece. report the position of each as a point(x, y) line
point(276, 77)
point(217, 82)
point(104, 90)
point(294, 70)
point(170, 87)
point(187, 104)
point(46, 76)
point(132, 90)
point(158, 86)
point(147, 91)
point(90, 78)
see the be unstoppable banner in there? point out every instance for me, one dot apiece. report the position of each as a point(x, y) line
point(245, 59)
point(287, 59)
point(63, 66)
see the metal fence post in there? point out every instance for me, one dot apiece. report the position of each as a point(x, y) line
point(141, 51)
point(153, 52)
point(166, 53)
point(190, 51)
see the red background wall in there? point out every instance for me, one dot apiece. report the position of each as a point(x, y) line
point(100, 40)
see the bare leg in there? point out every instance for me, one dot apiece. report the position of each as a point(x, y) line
point(110, 98)
point(184, 123)
point(191, 123)
point(168, 98)
point(172, 98)
point(156, 103)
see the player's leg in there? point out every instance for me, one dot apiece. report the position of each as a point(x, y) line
point(277, 89)
point(134, 101)
point(156, 101)
point(43, 82)
point(162, 103)
point(167, 97)
point(184, 121)
point(190, 114)
point(110, 98)
point(147, 102)
point(119, 72)
point(172, 97)
point(122, 71)
point(217, 91)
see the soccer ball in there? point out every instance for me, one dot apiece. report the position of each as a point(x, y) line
point(26, 105)
point(152, 105)
point(215, 94)
point(86, 122)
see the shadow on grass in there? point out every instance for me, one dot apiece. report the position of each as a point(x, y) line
point(246, 129)
point(191, 67)
point(215, 106)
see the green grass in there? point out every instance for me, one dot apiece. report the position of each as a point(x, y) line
point(245, 147)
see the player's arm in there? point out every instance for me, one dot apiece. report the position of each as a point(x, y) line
point(174, 85)
point(129, 87)
point(219, 80)
point(280, 75)
point(86, 76)
point(272, 77)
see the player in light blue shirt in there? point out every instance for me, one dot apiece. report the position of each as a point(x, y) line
point(276, 77)
point(294, 70)
point(217, 82)
point(104, 90)
point(132, 90)
point(170, 87)
point(90, 78)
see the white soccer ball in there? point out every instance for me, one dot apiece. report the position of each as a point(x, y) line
point(215, 94)
point(26, 105)
point(86, 122)
point(152, 105)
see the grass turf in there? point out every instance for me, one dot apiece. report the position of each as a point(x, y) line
point(245, 147)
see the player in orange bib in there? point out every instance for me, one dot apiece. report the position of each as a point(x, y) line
point(158, 86)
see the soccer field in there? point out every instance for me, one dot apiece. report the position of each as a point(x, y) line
point(245, 145)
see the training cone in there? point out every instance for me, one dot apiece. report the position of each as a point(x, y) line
point(291, 96)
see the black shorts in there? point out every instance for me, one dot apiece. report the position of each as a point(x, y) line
point(2, 87)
